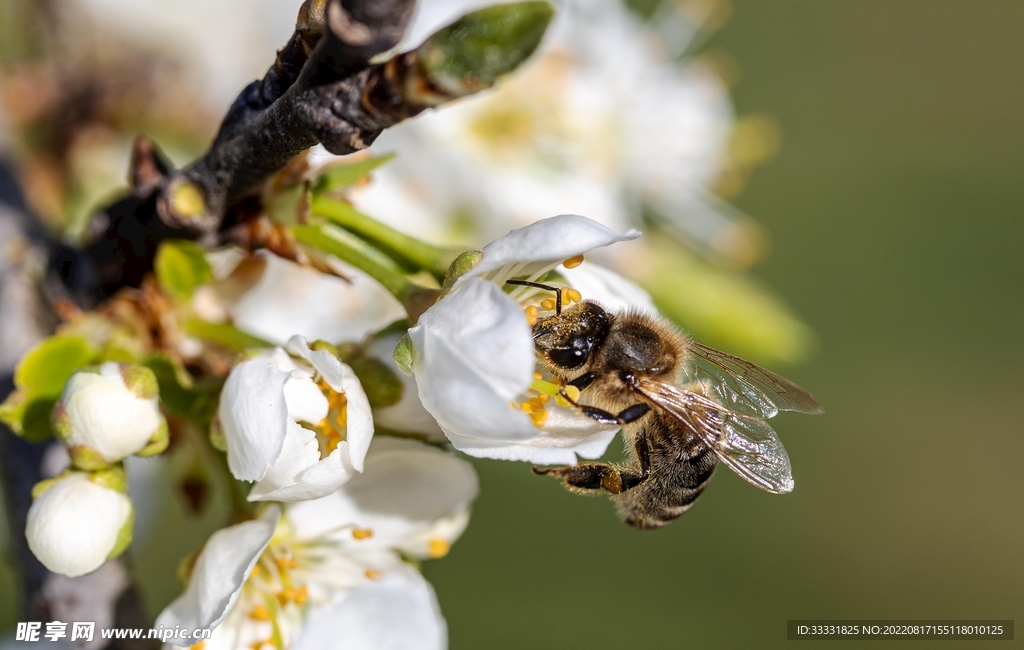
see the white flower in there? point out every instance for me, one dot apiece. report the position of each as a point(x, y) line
point(602, 123)
point(398, 612)
point(75, 524)
point(473, 351)
point(336, 559)
point(407, 415)
point(289, 299)
point(108, 413)
point(262, 403)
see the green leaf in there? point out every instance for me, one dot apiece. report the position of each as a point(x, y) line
point(342, 175)
point(45, 369)
point(181, 268)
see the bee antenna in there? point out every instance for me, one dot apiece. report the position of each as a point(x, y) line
point(546, 287)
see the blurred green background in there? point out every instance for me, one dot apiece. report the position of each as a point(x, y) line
point(894, 208)
point(895, 211)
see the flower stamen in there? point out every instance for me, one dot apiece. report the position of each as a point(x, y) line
point(362, 533)
point(437, 548)
point(573, 262)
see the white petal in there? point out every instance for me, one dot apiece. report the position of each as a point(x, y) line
point(290, 300)
point(608, 288)
point(529, 250)
point(73, 526)
point(299, 473)
point(408, 415)
point(221, 569)
point(105, 416)
point(304, 399)
point(473, 354)
point(406, 489)
point(559, 443)
point(254, 416)
point(340, 377)
point(398, 612)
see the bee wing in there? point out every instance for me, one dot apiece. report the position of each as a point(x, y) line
point(747, 445)
point(745, 387)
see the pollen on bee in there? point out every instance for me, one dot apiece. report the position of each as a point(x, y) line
point(572, 295)
point(549, 304)
point(538, 375)
point(573, 262)
point(259, 613)
point(532, 314)
point(437, 548)
point(572, 392)
point(362, 533)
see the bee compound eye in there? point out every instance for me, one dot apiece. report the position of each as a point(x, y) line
point(567, 357)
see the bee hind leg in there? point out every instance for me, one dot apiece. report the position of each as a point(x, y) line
point(595, 476)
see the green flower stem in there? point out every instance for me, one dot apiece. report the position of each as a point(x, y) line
point(427, 257)
point(224, 334)
point(347, 247)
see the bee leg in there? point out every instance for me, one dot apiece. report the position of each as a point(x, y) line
point(594, 476)
point(625, 416)
point(583, 380)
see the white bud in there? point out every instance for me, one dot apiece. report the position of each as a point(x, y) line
point(108, 413)
point(76, 523)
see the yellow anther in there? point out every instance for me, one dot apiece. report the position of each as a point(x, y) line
point(437, 548)
point(549, 304)
point(198, 646)
point(255, 572)
point(539, 418)
point(538, 375)
point(532, 314)
point(572, 295)
point(573, 262)
point(572, 392)
point(293, 594)
point(256, 645)
point(285, 563)
point(543, 397)
point(528, 406)
point(259, 613)
point(373, 575)
point(362, 533)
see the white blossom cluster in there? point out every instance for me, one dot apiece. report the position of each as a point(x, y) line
point(348, 498)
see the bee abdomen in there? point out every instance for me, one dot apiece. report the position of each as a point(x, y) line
point(671, 490)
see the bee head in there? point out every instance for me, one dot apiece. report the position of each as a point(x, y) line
point(567, 339)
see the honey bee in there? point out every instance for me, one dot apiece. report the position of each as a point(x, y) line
point(683, 408)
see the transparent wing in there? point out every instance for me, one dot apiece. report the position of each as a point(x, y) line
point(745, 387)
point(745, 444)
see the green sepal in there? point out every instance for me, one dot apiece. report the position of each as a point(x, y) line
point(157, 442)
point(181, 268)
point(87, 458)
point(113, 478)
point(403, 354)
point(485, 44)
point(140, 380)
point(124, 536)
point(464, 263)
point(339, 176)
point(379, 382)
point(44, 485)
point(217, 439)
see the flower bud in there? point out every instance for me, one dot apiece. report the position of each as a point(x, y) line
point(108, 413)
point(79, 520)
